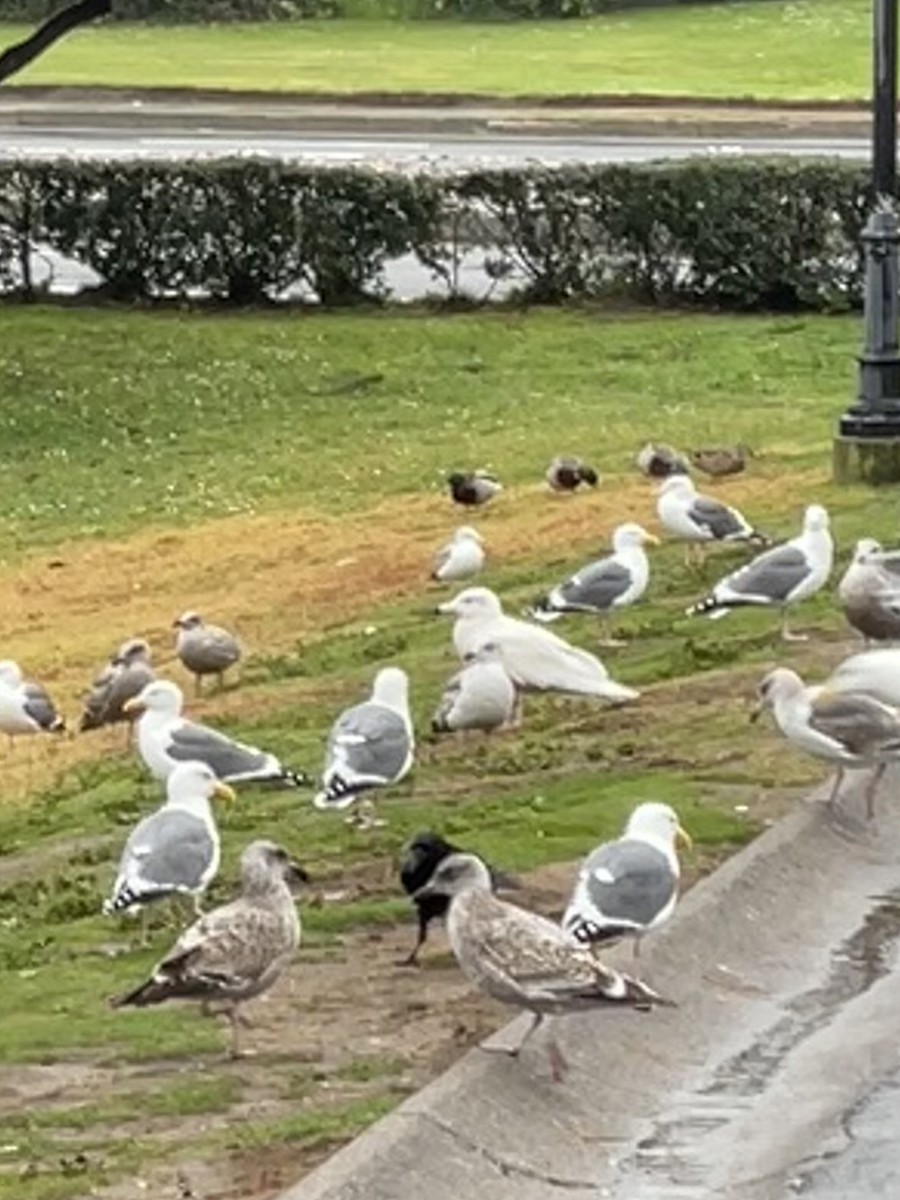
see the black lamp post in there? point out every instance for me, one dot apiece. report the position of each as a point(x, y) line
point(868, 445)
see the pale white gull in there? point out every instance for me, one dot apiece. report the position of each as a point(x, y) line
point(480, 696)
point(534, 658)
point(874, 672)
point(460, 558)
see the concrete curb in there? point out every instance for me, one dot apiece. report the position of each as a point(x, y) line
point(721, 1097)
point(74, 108)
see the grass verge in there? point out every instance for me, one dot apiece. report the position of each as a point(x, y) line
point(782, 49)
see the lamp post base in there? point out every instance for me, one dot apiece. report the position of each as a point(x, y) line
point(872, 460)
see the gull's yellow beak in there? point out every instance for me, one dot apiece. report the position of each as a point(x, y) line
point(651, 539)
point(684, 838)
point(224, 792)
point(134, 705)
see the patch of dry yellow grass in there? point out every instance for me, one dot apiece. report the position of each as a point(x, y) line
point(277, 579)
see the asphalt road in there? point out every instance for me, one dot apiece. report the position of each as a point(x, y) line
point(106, 143)
point(868, 1165)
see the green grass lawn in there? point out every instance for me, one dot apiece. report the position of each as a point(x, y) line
point(798, 49)
point(129, 430)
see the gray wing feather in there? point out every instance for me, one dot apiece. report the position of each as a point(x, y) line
point(383, 746)
point(716, 517)
point(860, 723)
point(635, 883)
point(774, 574)
point(175, 850)
point(209, 649)
point(226, 757)
point(597, 586)
point(39, 706)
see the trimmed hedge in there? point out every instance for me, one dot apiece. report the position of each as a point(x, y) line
point(778, 234)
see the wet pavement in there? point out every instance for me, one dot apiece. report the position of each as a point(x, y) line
point(868, 1166)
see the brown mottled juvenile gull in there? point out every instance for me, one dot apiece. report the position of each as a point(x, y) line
point(779, 577)
point(480, 696)
point(166, 738)
point(607, 584)
point(205, 649)
point(25, 706)
point(850, 729)
point(628, 887)
point(521, 958)
point(696, 519)
point(124, 676)
point(534, 658)
point(566, 474)
point(461, 557)
point(870, 592)
point(174, 851)
point(370, 745)
point(721, 460)
point(236, 951)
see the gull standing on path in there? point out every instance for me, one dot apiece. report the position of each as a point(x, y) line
point(238, 950)
point(165, 738)
point(779, 577)
point(535, 659)
point(461, 557)
point(371, 745)
point(126, 674)
point(612, 582)
point(25, 706)
point(696, 519)
point(523, 959)
point(870, 592)
point(205, 649)
point(176, 850)
point(849, 729)
point(480, 696)
point(628, 887)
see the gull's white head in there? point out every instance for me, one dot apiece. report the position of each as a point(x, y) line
point(677, 485)
point(160, 696)
point(466, 533)
point(188, 620)
point(630, 535)
point(780, 684)
point(657, 822)
point(815, 519)
point(10, 673)
point(391, 688)
point(190, 781)
point(866, 548)
point(476, 603)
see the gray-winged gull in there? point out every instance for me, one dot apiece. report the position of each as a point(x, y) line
point(124, 676)
point(205, 649)
point(236, 951)
point(474, 488)
point(370, 745)
point(607, 584)
point(696, 519)
point(480, 696)
point(779, 577)
point(25, 706)
point(523, 959)
point(535, 659)
point(166, 738)
point(567, 474)
point(627, 887)
point(870, 592)
point(174, 851)
point(875, 672)
point(461, 557)
point(850, 729)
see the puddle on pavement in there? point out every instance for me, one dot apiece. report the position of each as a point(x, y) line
point(670, 1152)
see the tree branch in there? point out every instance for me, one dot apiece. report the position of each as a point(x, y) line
point(16, 57)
